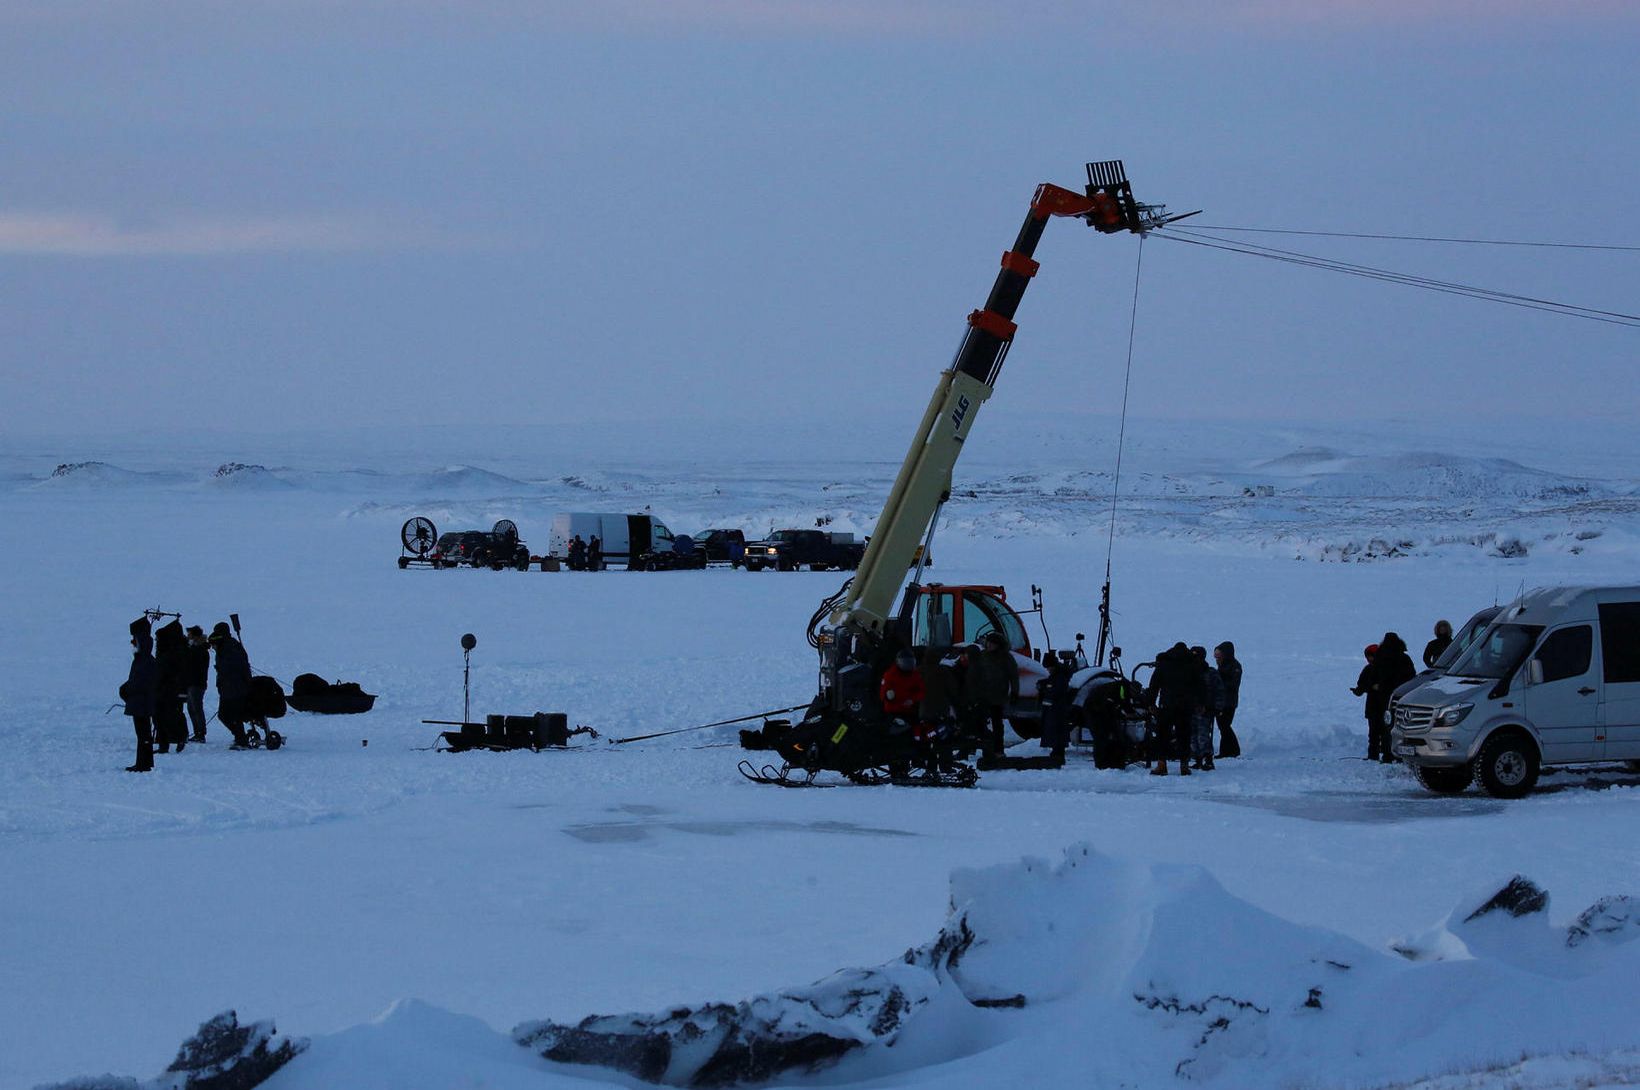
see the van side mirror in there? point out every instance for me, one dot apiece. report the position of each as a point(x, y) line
point(1534, 672)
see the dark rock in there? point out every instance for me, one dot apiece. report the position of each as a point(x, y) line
point(221, 1055)
point(1610, 919)
point(1520, 897)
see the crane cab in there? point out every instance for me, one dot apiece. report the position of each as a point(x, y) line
point(955, 616)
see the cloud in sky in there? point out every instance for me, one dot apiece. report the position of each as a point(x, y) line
point(72, 234)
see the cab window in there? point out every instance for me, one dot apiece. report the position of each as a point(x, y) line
point(1565, 652)
point(981, 614)
point(931, 620)
point(660, 530)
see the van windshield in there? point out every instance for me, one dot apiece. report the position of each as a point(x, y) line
point(1499, 653)
point(1466, 636)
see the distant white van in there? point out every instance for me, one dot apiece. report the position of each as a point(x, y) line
point(623, 537)
point(1553, 680)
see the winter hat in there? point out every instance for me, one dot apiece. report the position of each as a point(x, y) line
point(1227, 647)
point(1199, 651)
point(220, 632)
point(140, 626)
point(195, 630)
point(1371, 650)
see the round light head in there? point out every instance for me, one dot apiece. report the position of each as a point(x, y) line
point(469, 641)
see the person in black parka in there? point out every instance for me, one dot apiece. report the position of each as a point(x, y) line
point(993, 684)
point(233, 683)
point(1391, 667)
point(1230, 673)
point(197, 674)
point(595, 554)
point(138, 692)
point(170, 658)
point(1178, 691)
point(1436, 647)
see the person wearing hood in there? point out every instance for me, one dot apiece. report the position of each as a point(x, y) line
point(993, 684)
point(1363, 687)
point(170, 657)
point(1229, 673)
point(1391, 667)
point(138, 693)
point(1201, 722)
point(197, 674)
point(233, 683)
point(1436, 647)
point(1178, 691)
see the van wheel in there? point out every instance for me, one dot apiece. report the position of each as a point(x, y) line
point(404, 562)
point(1445, 781)
point(1507, 766)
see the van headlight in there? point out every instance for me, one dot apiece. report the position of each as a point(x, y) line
point(1452, 716)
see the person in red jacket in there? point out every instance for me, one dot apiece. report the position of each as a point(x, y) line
point(902, 690)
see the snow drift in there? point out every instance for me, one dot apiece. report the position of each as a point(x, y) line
point(1114, 971)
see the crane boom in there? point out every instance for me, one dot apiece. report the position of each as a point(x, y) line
point(924, 480)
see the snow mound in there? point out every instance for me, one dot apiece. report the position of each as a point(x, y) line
point(1320, 471)
point(101, 475)
point(1092, 970)
point(221, 1055)
point(241, 475)
point(464, 480)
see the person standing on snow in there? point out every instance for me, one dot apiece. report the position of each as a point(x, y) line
point(1391, 667)
point(1436, 647)
point(1178, 692)
point(595, 554)
point(1201, 723)
point(233, 683)
point(993, 683)
point(141, 685)
point(577, 554)
point(1056, 707)
point(1363, 687)
point(1229, 673)
point(197, 674)
point(170, 727)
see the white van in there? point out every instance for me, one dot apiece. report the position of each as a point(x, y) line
point(623, 537)
point(1554, 680)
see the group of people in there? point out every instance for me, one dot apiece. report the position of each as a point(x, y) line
point(585, 555)
point(930, 697)
point(1190, 696)
point(1388, 667)
point(165, 689)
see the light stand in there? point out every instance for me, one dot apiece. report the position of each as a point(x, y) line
point(468, 642)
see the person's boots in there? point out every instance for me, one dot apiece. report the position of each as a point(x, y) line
point(1207, 765)
point(1184, 768)
point(1160, 769)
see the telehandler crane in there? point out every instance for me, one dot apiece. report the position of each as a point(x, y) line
point(857, 631)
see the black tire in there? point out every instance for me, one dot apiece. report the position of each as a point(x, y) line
point(404, 562)
point(1632, 766)
point(1445, 780)
point(754, 567)
point(817, 567)
point(1507, 765)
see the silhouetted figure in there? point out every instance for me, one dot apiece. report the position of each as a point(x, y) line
point(993, 682)
point(1363, 687)
point(170, 657)
point(1179, 692)
point(1391, 667)
point(1436, 647)
point(138, 692)
point(595, 554)
point(1229, 673)
point(1056, 706)
point(1201, 723)
point(577, 554)
point(197, 674)
point(233, 683)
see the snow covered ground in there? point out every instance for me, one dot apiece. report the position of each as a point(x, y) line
point(333, 881)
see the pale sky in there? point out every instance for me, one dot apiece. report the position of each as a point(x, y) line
point(278, 213)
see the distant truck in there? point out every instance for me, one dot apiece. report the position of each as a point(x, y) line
point(625, 539)
point(722, 545)
point(788, 550)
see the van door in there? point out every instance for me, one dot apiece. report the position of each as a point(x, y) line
point(1620, 670)
point(1565, 705)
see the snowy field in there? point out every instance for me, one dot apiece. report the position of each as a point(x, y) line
point(406, 909)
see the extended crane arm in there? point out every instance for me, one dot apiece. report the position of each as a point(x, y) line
point(924, 480)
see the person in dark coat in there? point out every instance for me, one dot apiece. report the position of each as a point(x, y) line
point(138, 692)
point(1056, 707)
point(595, 554)
point(993, 682)
point(233, 683)
point(940, 692)
point(577, 554)
point(170, 657)
point(1436, 647)
point(1201, 724)
point(1363, 687)
point(1229, 673)
point(1391, 667)
point(1178, 692)
point(197, 674)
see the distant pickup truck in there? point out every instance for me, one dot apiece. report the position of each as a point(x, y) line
point(788, 550)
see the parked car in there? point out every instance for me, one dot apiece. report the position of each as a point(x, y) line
point(622, 537)
point(681, 555)
point(480, 549)
point(722, 546)
point(788, 550)
point(1553, 680)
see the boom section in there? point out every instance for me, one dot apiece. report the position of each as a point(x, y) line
point(924, 480)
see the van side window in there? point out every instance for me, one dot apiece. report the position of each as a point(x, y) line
point(1620, 641)
point(1566, 653)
